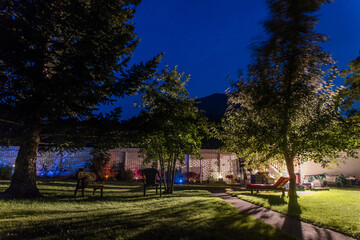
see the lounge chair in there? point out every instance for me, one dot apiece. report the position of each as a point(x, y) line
point(278, 186)
point(150, 176)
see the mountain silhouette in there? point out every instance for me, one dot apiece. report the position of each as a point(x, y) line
point(214, 106)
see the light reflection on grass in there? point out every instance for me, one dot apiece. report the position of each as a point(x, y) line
point(124, 213)
point(337, 209)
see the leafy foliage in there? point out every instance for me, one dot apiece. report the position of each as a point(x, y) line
point(99, 161)
point(352, 83)
point(121, 174)
point(173, 125)
point(58, 61)
point(351, 93)
point(287, 109)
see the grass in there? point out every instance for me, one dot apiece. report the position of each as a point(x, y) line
point(124, 213)
point(337, 209)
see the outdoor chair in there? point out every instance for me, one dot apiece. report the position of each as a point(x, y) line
point(278, 186)
point(88, 180)
point(319, 185)
point(150, 176)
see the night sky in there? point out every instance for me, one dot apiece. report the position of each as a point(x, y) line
point(210, 39)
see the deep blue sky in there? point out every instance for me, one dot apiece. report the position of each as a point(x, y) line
point(210, 39)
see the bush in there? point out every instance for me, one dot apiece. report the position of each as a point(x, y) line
point(98, 162)
point(121, 174)
point(211, 179)
point(129, 175)
point(193, 177)
point(5, 172)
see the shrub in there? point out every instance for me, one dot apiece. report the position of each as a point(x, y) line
point(193, 177)
point(137, 173)
point(98, 162)
point(211, 179)
point(5, 172)
point(129, 175)
point(121, 174)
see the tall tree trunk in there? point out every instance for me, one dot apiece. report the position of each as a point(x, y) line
point(291, 171)
point(173, 175)
point(23, 182)
point(293, 206)
point(168, 176)
point(162, 173)
point(161, 162)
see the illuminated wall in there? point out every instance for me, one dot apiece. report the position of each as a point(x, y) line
point(50, 164)
point(348, 167)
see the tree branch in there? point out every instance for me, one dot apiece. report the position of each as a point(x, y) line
point(11, 122)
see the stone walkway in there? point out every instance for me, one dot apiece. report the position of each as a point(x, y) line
point(285, 223)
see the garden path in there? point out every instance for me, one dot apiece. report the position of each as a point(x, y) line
point(290, 225)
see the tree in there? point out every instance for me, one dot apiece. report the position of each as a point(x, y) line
point(172, 124)
point(287, 109)
point(352, 84)
point(351, 93)
point(58, 61)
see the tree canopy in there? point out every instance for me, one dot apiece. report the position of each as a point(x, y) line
point(58, 61)
point(287, 108)
point(351, 93)
point(352, 84)
point(172, 125)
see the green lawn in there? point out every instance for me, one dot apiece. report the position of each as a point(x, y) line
point(124, 213)
point(337, 209)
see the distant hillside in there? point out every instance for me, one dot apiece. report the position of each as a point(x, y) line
point(213, 105)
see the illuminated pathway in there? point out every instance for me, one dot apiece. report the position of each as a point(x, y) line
point(285, 223)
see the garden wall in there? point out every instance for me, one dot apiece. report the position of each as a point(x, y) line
point(350, 167)
point(213, 164)
point(50, 163)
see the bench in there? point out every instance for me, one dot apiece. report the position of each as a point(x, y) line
point(87, 180)
point(278, 186)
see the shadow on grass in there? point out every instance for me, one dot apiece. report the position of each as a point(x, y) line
point(289, 223)
point(108, 185)
point(115, 193)
point(293, 223)
point(293, 207)
point(198, 219)
point(273, 200)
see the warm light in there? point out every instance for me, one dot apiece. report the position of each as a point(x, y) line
point(220, 176)
point(13, 165)
point(106, 176)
